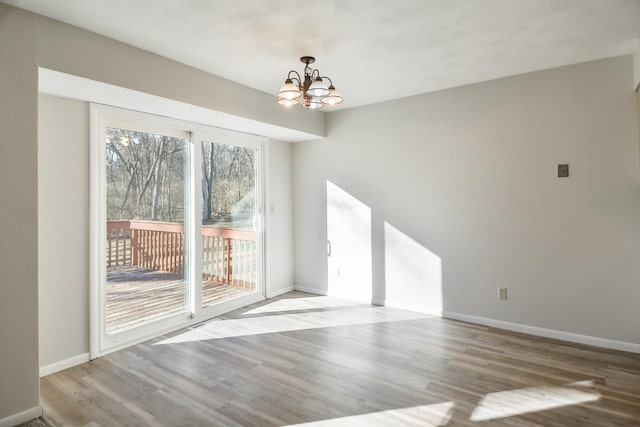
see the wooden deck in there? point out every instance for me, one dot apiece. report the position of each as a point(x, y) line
point(136, 295)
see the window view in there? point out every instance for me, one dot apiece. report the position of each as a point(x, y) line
point(146, 197)
point(228, 222)
point(176, 230)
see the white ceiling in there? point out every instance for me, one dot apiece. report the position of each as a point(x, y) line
point(374, 50)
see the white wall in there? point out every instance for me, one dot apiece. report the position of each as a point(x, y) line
point(279, 214)
point(463, 196)
point(63, 228)
point(70, 50)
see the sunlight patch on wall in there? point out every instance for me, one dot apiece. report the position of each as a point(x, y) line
point(437, 414)
point(413, 274)
point(349, 248)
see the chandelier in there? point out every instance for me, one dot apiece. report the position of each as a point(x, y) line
point(312, 88)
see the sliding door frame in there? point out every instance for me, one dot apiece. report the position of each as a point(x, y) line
point(202, 134)
point(101, 117)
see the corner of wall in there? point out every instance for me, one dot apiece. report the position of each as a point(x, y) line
point(22, 417)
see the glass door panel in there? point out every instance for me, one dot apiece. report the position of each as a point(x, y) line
point(229, 222)
point(147, 179)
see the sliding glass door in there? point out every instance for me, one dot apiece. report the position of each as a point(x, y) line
point(176, 225)
point(146, 206)
point(229, 221)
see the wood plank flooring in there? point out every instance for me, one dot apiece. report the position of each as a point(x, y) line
point(136, 295)
point(318, 361)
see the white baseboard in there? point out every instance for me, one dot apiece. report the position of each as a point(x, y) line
point(21, 417)
point(325, 292)
point(548, 333)
point(500, 324)
point(309, 290)
point(349, 297)
point(278, 292)
point(408, 307)
point(64, 364)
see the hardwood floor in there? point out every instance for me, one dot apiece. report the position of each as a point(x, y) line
point(303, 359)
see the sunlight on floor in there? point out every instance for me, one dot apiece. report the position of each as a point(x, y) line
point(437, 414)
point(293, 304)
point(501, 404)
point(533, 399)
point(215, 329)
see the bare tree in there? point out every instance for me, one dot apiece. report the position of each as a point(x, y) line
point(146, 178)
point(145, 172)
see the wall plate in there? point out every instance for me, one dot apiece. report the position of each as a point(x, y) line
point(563, 171)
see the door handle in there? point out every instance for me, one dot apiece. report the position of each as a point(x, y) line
point(328, 247)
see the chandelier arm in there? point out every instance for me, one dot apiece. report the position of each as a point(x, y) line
point(330, 81)
point(297, 76)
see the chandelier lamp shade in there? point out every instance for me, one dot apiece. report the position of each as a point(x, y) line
point(312, 90)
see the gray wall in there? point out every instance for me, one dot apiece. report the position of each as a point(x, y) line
point(18, 215)
point(63, 228)
point(455, 193)
point(28, 41)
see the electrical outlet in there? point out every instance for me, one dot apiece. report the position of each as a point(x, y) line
point(502, 293)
